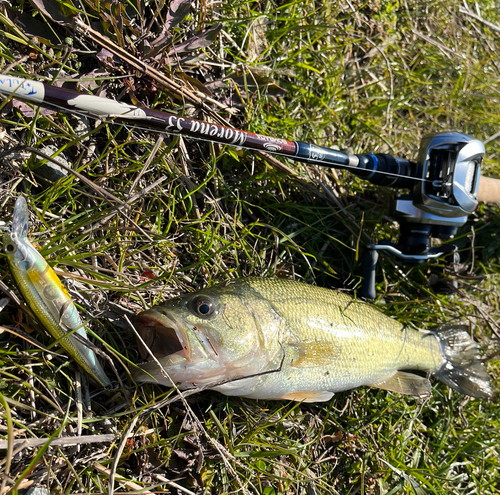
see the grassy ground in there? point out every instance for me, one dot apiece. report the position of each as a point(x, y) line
point(364, 77)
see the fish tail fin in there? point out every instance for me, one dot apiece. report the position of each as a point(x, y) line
point(463, 368)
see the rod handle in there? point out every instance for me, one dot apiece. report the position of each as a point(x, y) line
point(489, 190)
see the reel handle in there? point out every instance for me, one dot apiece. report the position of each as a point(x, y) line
point(489, 190)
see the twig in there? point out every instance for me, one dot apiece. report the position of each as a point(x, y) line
point(10, 442)
point(20, 405)
point(117, 459)
point(31, 393)
point(79, 403)
point(184, 159)
point(156, 147)
point(134, 198)
point(101, 191)
point(23, 335)
point(129, 484)
point(492, 26)
point(175, 88)
point(391, 81)
point(12, 295)
point(29, 443)
point(162, 479)
point(98, 189)
point(442, 47)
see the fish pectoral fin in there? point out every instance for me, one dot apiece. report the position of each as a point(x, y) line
point(314, 354)
point(406, 383)
point(308, 396)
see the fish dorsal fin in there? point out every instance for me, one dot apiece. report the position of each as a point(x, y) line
point(314, 354)
point(308, 396)
point(406, 383)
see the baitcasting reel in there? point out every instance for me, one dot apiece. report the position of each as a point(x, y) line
point(444, 194)
point(443, 182)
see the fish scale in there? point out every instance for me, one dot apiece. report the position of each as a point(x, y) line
point(280, 339)
point(343, 329)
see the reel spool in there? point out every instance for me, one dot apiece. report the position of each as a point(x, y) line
point(443, 196)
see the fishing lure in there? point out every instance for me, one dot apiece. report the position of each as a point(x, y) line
point(46, 296)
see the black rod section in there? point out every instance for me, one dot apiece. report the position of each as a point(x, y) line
point(381, 169)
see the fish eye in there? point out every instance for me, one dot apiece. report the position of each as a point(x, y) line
point(203, 307)
point(10, 248)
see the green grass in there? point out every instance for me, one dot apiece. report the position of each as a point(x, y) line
point(368, 77)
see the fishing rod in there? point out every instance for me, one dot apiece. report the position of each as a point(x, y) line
point(445, 182)
point(380, 169)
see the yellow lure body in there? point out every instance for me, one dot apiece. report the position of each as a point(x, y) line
point(46, 296)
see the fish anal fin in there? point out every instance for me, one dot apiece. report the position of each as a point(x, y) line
point(406, 383)
point(308, 396)
point(314, 354)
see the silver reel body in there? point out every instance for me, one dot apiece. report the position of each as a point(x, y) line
point(444, 194)
point(450, 166)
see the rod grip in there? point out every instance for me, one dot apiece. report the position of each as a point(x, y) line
point(489, 190)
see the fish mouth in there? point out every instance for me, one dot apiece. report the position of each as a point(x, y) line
point(163, 336)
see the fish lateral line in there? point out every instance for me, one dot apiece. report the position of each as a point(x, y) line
point(262, 321)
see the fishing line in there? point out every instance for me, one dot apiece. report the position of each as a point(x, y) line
point(144, 127)
point(380, 169)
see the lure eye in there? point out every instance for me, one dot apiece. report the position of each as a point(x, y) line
point(203, 307)
point(10, 248)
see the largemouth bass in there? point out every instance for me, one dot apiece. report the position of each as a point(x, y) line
point(46, 296)
point(280, 339)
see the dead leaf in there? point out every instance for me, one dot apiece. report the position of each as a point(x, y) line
point(29, 112)
point(177, 11)
point(62, 14)
point(107, 58)
point(202, 40)
point(34, 27)
point(194, 83)
point(90, 81)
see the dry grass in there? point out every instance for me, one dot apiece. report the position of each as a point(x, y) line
point(367, 77)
